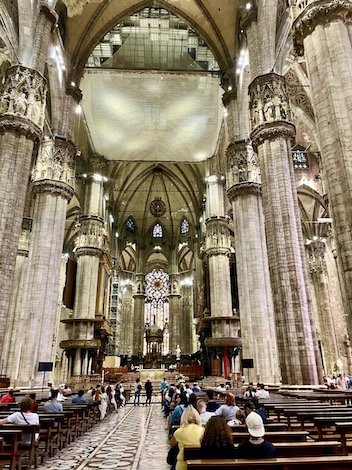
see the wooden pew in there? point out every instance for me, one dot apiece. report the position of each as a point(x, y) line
point(345, 431)
point(336, 462)
point(268, 427)
point(288, 449)
point(10, 455)
point(275, 436)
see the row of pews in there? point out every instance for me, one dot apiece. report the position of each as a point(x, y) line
point(307, 433)
point(55, 431)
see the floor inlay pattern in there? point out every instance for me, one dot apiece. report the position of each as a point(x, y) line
point(132, 439)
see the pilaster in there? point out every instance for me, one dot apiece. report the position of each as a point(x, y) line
point(138, 317)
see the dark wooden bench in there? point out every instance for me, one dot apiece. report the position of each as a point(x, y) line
point(268, 427)
point(336, 462)
point(278, 436)
point(288, 449)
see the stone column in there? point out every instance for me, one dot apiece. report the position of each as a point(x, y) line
point(174, 303)
point(15, 318)
point(90, 245)
point(271, 137)
point(53, 181)
point(323, 32)
point(22, 104)
point(255, 297)
point(138, 314)
point(224, 325)
point(320, 280)
point(186, 339)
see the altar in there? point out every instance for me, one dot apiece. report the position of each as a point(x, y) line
point(155, 375)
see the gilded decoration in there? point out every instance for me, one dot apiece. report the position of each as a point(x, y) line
point(242, 164)
point(56, 161)
point(268, 100)
point(157, 207)
point(23, 95)
point(92, 234)
point(319, 12)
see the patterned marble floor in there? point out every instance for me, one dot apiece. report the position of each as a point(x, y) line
point(132, 439)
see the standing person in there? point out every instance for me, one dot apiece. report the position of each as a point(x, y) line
point(149, 392)
point(256, 447)
point(103, 403)
point(25, 416)
point(122, 397)
point(229, 410)
point(163, 388)
point(137, 393)
point(216, 442)
point(188, 434)
point(113, 398)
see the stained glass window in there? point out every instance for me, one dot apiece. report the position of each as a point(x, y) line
point(184, 227)
point(130, 227)
point(157, 231)
point(156, 311)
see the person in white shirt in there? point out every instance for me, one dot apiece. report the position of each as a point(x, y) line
point(261, 392)
point(204, 414)
point(25, 416)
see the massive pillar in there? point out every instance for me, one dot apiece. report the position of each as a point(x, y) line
point(271, 137)
point(138, 312)
point(16, 317)
point(53, 181)
point(175, 327)
point(22, 116)
point(255, 298)
point(323, 31)
point(90, 245)
point(327, 328)
point(224, 324)
point(22, 108)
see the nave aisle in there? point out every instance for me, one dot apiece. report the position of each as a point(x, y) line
point(132, 439)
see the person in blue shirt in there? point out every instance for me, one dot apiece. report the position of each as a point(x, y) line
point(195, 388)
point(79, 398)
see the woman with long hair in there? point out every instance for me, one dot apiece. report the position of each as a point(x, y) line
point(229, 409)
point(188, 434)
point(216, 442)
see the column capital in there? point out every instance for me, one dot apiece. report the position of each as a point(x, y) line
point(74, 91)
point(49, 12)
point(92, 235)
point(318, 13)
point(23, 244)
point(249, 17)
point(56, 161)
point(242, 163)
point(217, 238)
point(22, 101)
point(57, 188)
point(245, 188)
point(273, 131)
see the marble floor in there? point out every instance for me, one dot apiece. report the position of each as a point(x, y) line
point(134, 438)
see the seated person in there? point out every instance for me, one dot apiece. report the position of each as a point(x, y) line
point(212, 405)
point(67, 391)
point(8, 398)
point(79, 398)
point(250, 392)
point(256, 447)
point(261, 393)
point(34, 407)
point(25, 416)
point(53, 406)
point(216, 442)
point(204, 414)
point(229, 410)
point(254, 406)
point(179, 409)
point(195, 388)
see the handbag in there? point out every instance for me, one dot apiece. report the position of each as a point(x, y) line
point(171, 458)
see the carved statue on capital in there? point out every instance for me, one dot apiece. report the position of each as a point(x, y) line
point(23, 94)
point(316, 257)
point(217, 237)
point(92, 234)
point(56, 161)
point(269, 100)
point(243, 164)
